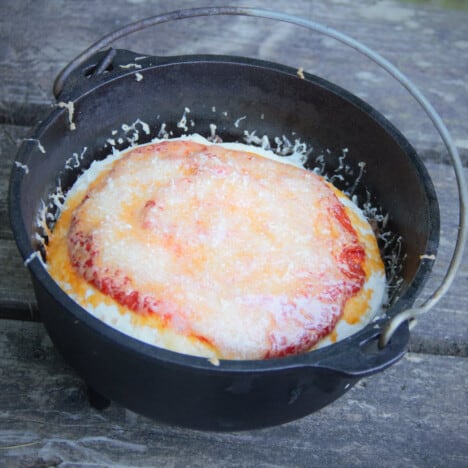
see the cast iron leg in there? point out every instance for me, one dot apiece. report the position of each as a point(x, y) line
point(96, 400)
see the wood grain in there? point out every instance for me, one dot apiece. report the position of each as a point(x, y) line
point(10, 139)
point(428, 44)
point(401, 417)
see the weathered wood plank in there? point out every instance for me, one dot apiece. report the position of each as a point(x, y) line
point(443, 330)
point(10, 138)
point(16, 291)
point(413, 414)
point(429, 44)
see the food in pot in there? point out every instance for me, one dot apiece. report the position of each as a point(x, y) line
point(216, 251)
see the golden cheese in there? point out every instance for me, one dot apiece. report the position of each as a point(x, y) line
point(212, 251)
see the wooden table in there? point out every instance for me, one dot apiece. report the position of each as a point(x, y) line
point(413, 414)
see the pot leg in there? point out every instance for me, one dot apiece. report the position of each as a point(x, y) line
point(96, 400)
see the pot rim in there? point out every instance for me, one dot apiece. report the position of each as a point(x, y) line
point(312, 358)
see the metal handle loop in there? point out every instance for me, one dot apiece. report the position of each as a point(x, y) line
point(455, 261)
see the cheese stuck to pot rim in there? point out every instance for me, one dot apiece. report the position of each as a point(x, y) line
point(219, 250)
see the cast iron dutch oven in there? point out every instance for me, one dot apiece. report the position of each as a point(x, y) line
point(106, 92)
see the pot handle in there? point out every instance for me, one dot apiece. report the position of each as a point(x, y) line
point(368, 357)
point(407, 315)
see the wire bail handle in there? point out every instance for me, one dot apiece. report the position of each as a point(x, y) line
point(409, 314)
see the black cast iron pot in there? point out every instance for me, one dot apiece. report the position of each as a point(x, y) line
point(186, 390)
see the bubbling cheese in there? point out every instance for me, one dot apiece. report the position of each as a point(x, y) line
point(216, 250)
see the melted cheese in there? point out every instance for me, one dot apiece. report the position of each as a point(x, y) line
point(217, 251)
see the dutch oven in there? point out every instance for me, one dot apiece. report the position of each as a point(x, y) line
point(102, 90)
